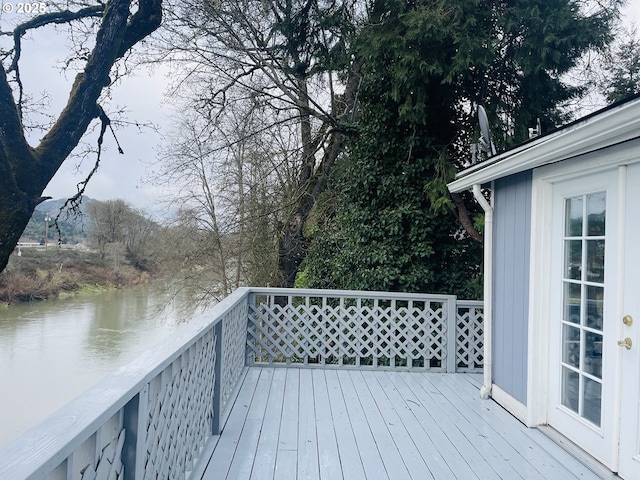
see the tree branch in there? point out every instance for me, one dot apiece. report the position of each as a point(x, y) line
point(81, 107)
point(144, 22)
point(464, 219)
point(66, 16)
point(12, 140)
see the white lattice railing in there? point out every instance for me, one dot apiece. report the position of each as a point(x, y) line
point(159, 416)
point(364, 330)
point(153, 419)
point(469, 336)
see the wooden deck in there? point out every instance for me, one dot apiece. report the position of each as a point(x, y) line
point(291, 423)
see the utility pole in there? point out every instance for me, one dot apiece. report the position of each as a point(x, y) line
point(47, 219)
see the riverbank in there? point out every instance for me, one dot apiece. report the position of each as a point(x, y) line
point(39, 274)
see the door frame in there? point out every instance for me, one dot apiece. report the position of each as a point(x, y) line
point(540, 309)
point(629, 451)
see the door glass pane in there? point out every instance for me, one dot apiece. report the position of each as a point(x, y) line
point(571, 345)
point(572, 302)
point(583, 305)
point(573, 224)
point(595, 261)
point(592, 396)
point(573, 259)
point(593, 354)
point(596, 203)
point(570, 389)
point(595, 306)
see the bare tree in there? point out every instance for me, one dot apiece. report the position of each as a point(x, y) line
point(121, 231)
point(25, 170)
point(291, 59)
point(225, 181)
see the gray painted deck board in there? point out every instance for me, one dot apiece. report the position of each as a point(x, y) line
point(367, 447)
point(292, 423)
point(267, 447)
point(352, 466)
point(308, 466)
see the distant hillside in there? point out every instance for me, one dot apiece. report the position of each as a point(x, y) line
point(73, 227)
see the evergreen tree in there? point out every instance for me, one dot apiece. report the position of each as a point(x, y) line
point(622, 69)
point(427, 64)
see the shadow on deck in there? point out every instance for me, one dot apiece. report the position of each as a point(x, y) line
point(310, 423)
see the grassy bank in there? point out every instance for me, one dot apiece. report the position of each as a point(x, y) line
point(39, 274)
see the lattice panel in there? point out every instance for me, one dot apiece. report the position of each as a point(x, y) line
point(470, 338)
point(233, 349)
point(359, 332)
point(180, 412)
point(109, 464)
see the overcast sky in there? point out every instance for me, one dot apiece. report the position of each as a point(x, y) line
point(143, 95)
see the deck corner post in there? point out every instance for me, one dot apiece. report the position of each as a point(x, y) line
point(452, 319)
point(216, 421)
point(134, 441)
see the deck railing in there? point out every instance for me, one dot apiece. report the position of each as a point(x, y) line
point(365, 330)
point(160, 416)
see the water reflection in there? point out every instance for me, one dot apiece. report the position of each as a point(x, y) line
point(52, 351)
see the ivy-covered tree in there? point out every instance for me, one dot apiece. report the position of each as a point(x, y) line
point(385, 232)
point(426, 66)
point(25, 170)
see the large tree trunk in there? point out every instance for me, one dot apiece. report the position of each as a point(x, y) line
point(26, 171)
point(15, 212)
point(293, 245)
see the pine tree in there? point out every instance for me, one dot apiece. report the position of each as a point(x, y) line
point(426, 65)
point(622, 69)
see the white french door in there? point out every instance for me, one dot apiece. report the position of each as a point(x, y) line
point(593, 376)
point(582, 374)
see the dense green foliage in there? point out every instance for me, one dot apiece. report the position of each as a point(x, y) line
point(427, 64)
point(386, 233)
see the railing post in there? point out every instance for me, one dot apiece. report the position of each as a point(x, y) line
point(216, 421)
point(452, 319)
point(133, 451)
point(249, 359)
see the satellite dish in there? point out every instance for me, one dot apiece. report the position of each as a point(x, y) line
point(485, 136)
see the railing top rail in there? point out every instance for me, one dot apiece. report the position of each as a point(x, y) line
point(56, 437)
point(304, 292)
point(470, 303)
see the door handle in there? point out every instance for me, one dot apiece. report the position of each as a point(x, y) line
point(626, 343)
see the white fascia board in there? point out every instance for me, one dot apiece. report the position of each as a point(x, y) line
point(611, 126)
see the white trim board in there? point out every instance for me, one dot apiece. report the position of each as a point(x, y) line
point(510, 404)
point(610, 127)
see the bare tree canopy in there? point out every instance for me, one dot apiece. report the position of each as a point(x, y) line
point(25, 170)
point(292, 61)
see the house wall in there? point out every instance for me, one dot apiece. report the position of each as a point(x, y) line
point(511, 243)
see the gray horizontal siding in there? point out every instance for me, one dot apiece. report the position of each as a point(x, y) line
point(512, 234)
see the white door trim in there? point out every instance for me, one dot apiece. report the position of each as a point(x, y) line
point(543, 180)
point(629, 408)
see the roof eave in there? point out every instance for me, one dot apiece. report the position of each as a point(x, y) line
point(611, 126)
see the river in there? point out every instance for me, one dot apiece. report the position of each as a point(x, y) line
point(52, 351)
